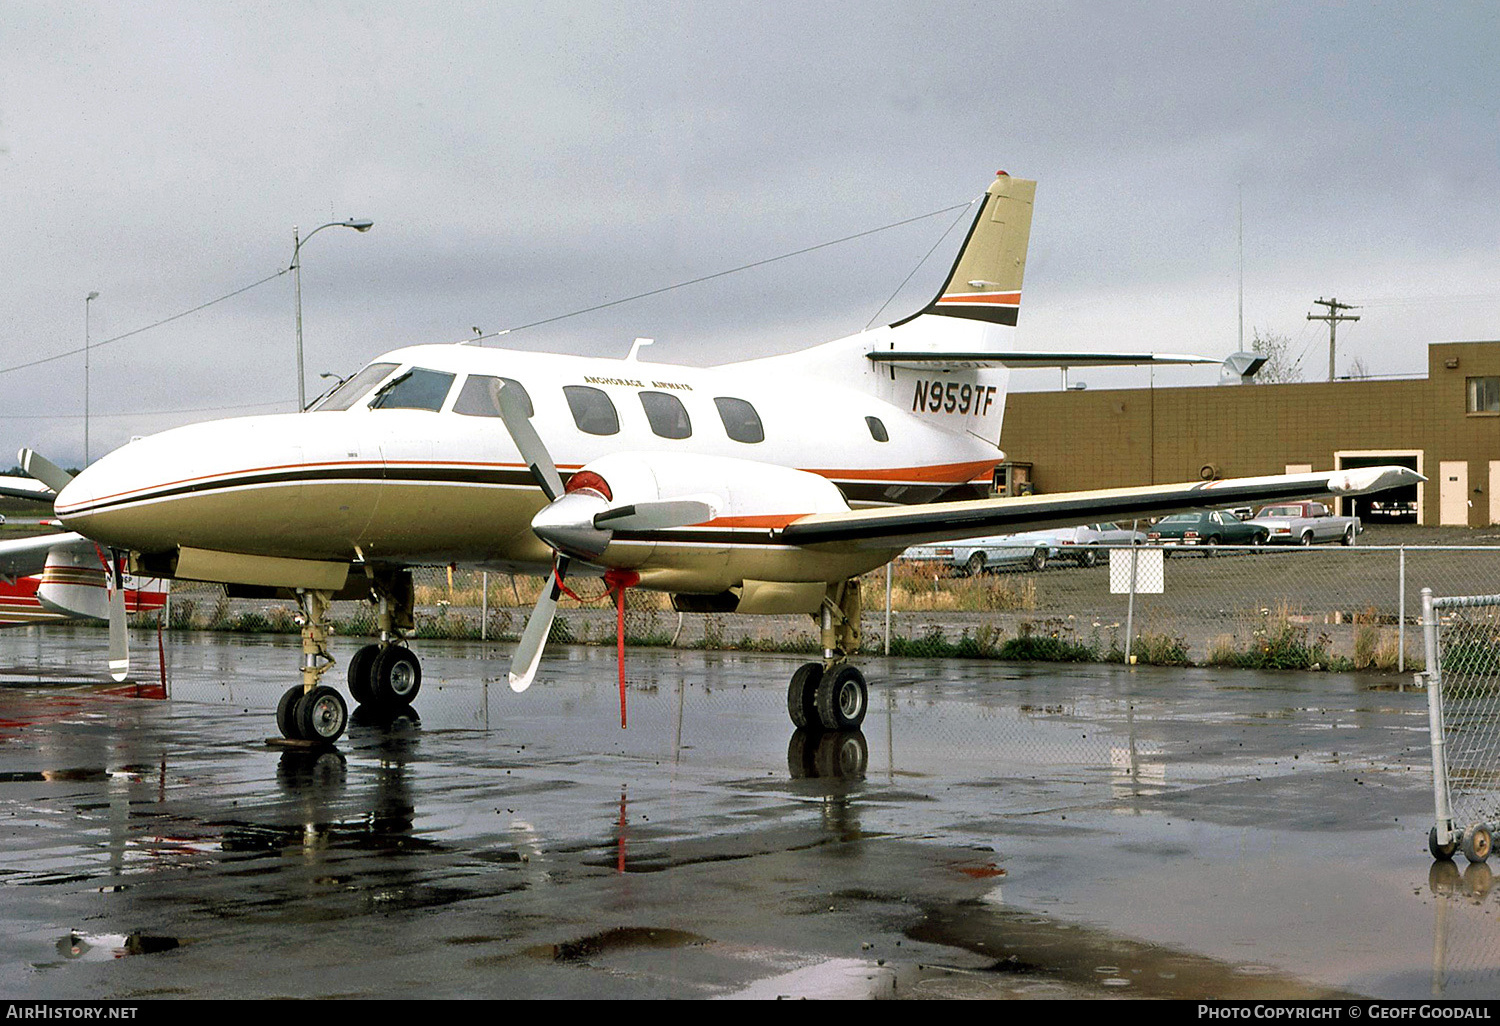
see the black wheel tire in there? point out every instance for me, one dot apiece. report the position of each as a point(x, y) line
point(1039, 560)
point(799, 753)
point(1090, 557)
point(360, 665)
point(1258, 539)
point(975, 566)
point(1441, 852)
point(286, 714)
point(801, 695)
point(1306, 538)
point(842, 699)
point(1211, 547)
point(395, 678)
point(322, 715)
point(841, 755)
point(1348, 538)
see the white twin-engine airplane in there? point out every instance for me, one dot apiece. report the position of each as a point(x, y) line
point(730, 487)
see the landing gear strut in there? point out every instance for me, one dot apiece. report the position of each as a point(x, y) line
point(384, 677)
point(311, 711)
point(832, 695)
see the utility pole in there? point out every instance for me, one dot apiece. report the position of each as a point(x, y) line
point(1332, 317)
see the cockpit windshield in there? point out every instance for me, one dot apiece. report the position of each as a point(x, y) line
point(415, 389)
point(356, 388)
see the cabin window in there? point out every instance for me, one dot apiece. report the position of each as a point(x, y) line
point(480, 396)
point(741, 422)
point(877, 429)
point(356, 388)
point(592, 411)
point(417, 389)
point(1483, 395)
point(668, 417)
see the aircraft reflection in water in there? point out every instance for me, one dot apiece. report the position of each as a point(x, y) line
point(732, 488)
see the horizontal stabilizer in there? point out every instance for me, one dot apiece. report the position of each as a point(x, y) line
point(20, 488)
point(1016, 360)
point(899, 527)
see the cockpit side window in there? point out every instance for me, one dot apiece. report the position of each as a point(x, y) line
point(356, 388)
point(741, 422)
point(668, 417)
point(877, 429)
point(592, 410)
point(416, 389)
point(480, 396)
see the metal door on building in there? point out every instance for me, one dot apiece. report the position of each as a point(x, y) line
point(1453, 493)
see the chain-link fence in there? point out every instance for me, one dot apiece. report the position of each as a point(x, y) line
point(1266, 608)
point(1462, 639)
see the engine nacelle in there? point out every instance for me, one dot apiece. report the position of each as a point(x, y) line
point(646, 512)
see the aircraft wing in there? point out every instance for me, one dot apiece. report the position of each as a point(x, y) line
point(24, 556)
point(898, 527)
point(25, 488)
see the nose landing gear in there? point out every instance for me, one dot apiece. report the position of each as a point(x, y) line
point(384, 676)
point(309, 711)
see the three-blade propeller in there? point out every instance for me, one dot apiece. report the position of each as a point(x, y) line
point(54, 477)
point(581, 523)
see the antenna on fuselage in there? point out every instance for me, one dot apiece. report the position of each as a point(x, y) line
point(636, 347)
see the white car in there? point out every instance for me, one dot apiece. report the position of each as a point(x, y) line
point(973, 556)
point(1084, 545)
point(1087, 544)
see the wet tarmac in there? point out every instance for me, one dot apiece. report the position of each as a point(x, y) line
point(996, 830)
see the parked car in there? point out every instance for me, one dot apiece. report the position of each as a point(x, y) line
point(1303, 523)
point(1207, 527)
point(973, 556)
point(1087, 544)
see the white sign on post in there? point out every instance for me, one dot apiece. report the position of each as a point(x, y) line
point(1150, 572)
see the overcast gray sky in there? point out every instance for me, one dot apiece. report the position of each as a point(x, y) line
point(522, 161)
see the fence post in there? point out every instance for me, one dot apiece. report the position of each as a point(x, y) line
point(1401, 615)
point(888, 609)
point(1130, 602)
point(484, 606)
point(1443, 810)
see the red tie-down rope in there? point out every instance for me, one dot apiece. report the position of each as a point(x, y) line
point(617, 581)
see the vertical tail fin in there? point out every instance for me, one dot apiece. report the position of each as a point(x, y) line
point(985, 282)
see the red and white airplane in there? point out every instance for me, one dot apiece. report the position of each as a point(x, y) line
point(734, 488)
point(59, 577)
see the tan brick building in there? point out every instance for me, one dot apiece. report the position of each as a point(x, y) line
point(1446, 426)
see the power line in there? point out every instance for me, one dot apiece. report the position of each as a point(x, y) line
point(148, 327)
point(732, 270)
point(136, 413)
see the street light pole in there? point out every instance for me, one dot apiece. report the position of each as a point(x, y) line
point(358, 225)
point(86, 301)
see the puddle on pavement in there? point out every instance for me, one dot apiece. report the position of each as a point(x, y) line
point(1081, 959)
point(625, 938)
point(86, 947)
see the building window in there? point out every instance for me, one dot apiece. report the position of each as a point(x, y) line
point(480, 396)
point(1484, 395)
point(668, 417)
point(592, 411)
point(741, 422)
point(877, 429)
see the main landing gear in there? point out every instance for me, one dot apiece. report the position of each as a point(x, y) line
point(832, 695)
point(384, 676)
